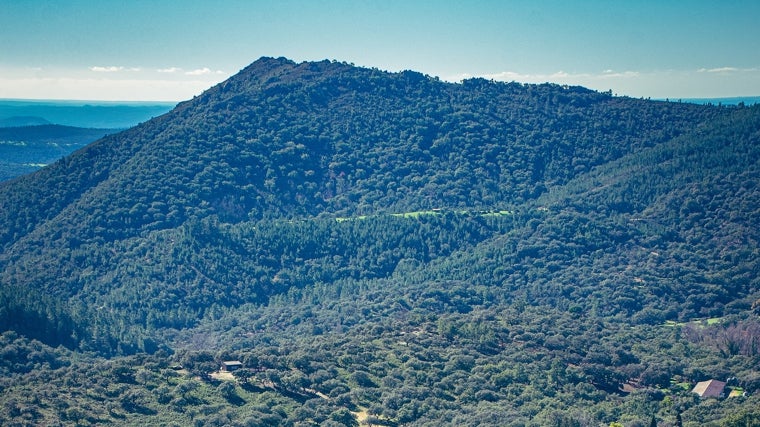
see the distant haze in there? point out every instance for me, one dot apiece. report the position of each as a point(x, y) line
point(85, 114)
point(172, 50)
point(746, 100)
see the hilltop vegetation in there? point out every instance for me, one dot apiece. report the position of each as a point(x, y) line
point(386, 244)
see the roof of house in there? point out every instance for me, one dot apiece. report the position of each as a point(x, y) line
point(232, 363)
point(710, 388)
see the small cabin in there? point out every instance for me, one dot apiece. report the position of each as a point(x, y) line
point(231, 365)
point(710, 388)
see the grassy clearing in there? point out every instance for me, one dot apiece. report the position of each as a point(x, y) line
point(698, 322)
point(686, 386)
point(417, 214)
point(499, 213)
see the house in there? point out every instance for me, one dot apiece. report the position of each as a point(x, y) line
point(231, 365)
point(710, 388)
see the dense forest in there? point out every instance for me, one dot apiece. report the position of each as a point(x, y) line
point(389, 249)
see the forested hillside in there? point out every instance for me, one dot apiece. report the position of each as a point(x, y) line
point(391, 249)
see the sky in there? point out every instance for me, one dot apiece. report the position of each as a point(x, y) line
point(171, 50)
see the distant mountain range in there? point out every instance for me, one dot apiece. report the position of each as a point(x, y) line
point(736, 100)
point(389, 249)
point(35, 133)
point(21, 121)
point(83, 114)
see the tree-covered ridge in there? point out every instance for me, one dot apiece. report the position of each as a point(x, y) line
point(389, 245)
point(284, 139)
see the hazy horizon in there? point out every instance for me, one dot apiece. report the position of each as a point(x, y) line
point(728, 100)
point(173, 50)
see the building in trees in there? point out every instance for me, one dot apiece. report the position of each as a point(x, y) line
point(231, 365)
point(710, 388)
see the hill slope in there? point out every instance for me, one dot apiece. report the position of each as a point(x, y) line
point(376, 236)
point(296, 140)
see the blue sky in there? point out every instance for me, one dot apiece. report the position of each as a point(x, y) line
point(172, 50)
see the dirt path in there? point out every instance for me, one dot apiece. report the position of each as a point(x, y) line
point(222, 376)
point(361, 416)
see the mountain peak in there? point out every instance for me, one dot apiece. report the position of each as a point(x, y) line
point(267, 72)
point(287, 139)
point(267, 64)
